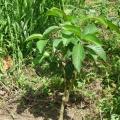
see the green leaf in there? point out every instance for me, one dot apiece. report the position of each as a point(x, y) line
point(71, 18)
point(66, 33)
point(50, 30)
point(78, 56)
point(73, 29)
point(113, 26)
point(34, 36)
point(56, 12)
point(90, 29)
point(99, 51)
point(66, 41)
point(41, 44)
point(46, 54)
point(92, 38)
point(90, 53)
point(68, 54)
point(101, 20)
point(56, 42)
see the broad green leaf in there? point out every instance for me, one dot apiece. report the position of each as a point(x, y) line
point(56, 42)
point(113, 26)
point(72, 40)
point(92, 54)
point(107, 23)
point(46, 54)
point(101, 20)
point(50, 30)
point(78, 56)
point(34, 36)
point(71, 18)
point(92, 38)
point(66, 33)
point(65, 41)
point(68, 54)
point(90, 29)
point(41, 44)
point(73, 29)
point(99, 51)
point(56, 12)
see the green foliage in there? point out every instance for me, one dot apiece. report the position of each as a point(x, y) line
point(78, 56)
point(74, 39)
point(64, 42)
point(72, 50)
point(18, 19)
point(98, 50)
point(41, 44)
point(72, 43)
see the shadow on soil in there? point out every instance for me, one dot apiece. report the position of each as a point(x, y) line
point(41, 105)
point(47, 106)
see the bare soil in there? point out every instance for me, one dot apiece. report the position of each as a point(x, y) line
point(33, 105)
point(30, 104)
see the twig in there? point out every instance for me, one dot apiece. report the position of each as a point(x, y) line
point(11, 115)
point(5, 87)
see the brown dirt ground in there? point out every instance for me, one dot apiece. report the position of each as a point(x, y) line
point(33, 105)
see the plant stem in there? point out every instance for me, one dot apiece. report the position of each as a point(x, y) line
point(68, 83)
point(62, 110)
point(65, 99)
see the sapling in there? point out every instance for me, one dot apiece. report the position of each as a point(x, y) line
point(71, 45)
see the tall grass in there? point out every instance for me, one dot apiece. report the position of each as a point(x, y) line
point(18, 19)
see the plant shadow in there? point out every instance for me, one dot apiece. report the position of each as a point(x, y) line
point(40, 104)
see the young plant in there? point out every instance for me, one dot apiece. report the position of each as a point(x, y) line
point(72, 43)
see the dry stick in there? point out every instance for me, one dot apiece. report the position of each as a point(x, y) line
point(5, 87)
point(10, 113)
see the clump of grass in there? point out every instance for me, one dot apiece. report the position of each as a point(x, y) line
point(18, 19)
